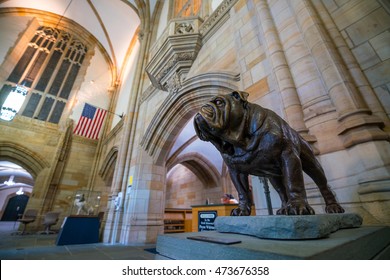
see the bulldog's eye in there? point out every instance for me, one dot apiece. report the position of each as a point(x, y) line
point(218, 102)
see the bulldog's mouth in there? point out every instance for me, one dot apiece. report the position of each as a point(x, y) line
point(204, 133)
point(200, 124)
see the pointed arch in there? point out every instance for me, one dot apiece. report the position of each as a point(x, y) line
point(200, 166)
point(179, 107)
point(108, 164)
point(22, 156)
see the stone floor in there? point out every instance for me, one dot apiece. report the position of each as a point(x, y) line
point(34, 246)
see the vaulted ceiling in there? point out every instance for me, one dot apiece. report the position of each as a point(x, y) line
point(113, 23)
point(12, 175)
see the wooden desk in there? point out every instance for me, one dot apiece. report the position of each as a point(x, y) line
point(203, 216)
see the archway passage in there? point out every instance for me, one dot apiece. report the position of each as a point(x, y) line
point(192, 182)
point(16, 186)
point(15, 207)
point(177, 109)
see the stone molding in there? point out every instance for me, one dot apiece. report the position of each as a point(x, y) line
point(22, 122)
point(194, 92)
point(216, 19)
point(115, 131)
point(108, 162)
point(174, 53)
point(176, 49)
point(200, 166)
point(150, 90)
point(30, 160)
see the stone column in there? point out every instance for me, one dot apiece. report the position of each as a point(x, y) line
point(114, 215)
point(356, 124)
point(139, 218)
point(351, 63)
point(57, 168)
point(144, 203)
point(122, 168)
point(291, 102)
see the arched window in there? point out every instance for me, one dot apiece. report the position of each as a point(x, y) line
point(42, 80)
point(187, 8)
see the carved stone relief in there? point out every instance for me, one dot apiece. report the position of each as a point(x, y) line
point(173, 59)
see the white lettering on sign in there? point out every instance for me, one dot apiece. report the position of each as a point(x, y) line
point(209, 216)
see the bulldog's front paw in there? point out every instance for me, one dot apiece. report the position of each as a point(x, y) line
point(334, 208)
point(245, 211)
point(282, 211)
point(299, 208)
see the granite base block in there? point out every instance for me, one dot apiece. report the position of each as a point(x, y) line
point(288, 227)
point(361, 243)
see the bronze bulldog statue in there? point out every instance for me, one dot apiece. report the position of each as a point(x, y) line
point(254, 140)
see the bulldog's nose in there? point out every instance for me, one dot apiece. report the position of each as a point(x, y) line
point(207, 110)
point(197, 116)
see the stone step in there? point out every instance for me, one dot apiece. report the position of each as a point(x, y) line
point(361, 243)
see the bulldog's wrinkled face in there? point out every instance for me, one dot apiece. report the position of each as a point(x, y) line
point(221, 113)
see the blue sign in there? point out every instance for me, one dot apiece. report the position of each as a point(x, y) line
point(206, 220)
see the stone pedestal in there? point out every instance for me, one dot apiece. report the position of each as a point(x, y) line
point(346, 244)
point(288, 227)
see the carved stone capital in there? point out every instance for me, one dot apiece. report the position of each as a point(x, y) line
point(184, 28)
point(141, 35)
point(174, 53)
point(174, 83)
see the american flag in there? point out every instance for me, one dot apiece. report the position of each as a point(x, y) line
point(90, 122)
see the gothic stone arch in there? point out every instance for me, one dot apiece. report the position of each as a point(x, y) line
point(200, 166)
point(31, 162)
point(24, 157)
point(108, 165)
point(179, 107)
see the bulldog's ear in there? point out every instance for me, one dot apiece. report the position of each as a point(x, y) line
point(241, 95)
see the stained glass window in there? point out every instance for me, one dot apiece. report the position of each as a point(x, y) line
point(46, 72)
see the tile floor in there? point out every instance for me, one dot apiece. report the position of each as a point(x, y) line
point(35, 246)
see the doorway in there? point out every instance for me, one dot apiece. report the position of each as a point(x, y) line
point(15, 207)
point(16, 185)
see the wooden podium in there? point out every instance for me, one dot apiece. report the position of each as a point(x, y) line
point(203, 216)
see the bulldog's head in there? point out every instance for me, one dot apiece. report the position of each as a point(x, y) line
point(220, 115)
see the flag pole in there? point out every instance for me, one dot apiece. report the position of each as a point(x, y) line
point(121, 115)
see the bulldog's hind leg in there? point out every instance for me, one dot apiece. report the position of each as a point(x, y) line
point(313, 168)
point(241, 183)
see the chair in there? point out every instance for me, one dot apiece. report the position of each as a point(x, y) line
point(29, 216)
point(50, 219)
point(100, 217)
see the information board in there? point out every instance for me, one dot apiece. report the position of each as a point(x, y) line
point(206, 220)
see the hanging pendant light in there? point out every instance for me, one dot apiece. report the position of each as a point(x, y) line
point(13, 103)
point(10, 181)
point(20, 191)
